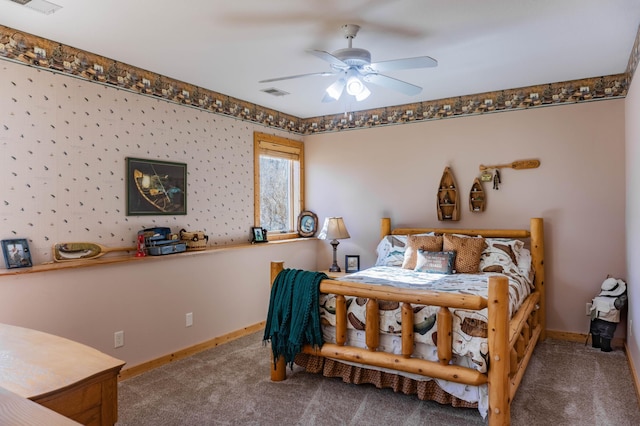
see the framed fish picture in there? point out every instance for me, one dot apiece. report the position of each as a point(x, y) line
point(156, 187)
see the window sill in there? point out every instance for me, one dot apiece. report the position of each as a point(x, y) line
point(274, 236)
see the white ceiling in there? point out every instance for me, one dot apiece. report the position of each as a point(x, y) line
point(229, 46)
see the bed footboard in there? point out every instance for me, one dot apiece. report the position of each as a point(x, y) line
point(504, 346)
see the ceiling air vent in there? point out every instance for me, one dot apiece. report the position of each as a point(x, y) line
point(42, 6)
point(275, 92)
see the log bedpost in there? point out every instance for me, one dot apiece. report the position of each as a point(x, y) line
point(499, 356)
point(279, 369)
point(445, 336)
point(372, 325)
point(537, 260)
point(385, 227)
point(407, 330)
point(341, 320)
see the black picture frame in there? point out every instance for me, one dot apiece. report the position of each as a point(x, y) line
point(307, 224)
point(156, 187)
point(351, 263)
point(258, 235)
point(16, 253)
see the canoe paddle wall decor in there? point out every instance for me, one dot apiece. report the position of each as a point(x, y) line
point(63, 252)
point(156, 187)
point(518, 165)
point(485, 176)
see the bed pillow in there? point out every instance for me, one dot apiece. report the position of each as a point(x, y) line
point(468, 252)
point(497, 260)
point(525, 266)
point(435, 262)
point(510, 247)
point(507, 257)
point(391, 250)
point(420, 242)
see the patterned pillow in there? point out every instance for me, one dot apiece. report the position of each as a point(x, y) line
point(496, 260)
point(420, 242)
point(511, 248)
point(507, 257)
point(468, 251)
point(440, 262)
point(525, 266)
point(391, 250)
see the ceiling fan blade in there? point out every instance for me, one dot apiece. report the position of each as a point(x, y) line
point(334, 92)
point(322, 74)
point(326, 56)
point(392, 83)
point(404, 64)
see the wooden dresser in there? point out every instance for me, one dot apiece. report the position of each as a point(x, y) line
point(70, 378)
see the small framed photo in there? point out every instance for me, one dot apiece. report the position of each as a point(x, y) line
point(307, 224)
point(258, 234)
point(351, 263)
point(16, 253)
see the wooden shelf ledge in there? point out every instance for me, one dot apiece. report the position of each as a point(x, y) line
point(107, 260)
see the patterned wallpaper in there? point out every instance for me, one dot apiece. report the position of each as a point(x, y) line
point(62, 164)
point(40, 52)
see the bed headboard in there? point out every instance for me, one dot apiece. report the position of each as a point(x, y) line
point(385, 229)
point(535, 234)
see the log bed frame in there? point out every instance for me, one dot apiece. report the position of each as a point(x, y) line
point(511, 342)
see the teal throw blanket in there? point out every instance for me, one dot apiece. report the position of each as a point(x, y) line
point(294, 313)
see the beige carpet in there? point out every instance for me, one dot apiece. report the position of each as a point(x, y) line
point(566, 384)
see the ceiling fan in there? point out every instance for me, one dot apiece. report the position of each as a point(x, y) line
point(354, 68)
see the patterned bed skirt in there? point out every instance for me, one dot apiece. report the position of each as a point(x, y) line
point(426, 390)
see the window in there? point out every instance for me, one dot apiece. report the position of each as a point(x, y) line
point(278, 184)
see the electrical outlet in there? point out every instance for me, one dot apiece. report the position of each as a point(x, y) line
point(189, 319)
point(118, 339)
point(588, 309)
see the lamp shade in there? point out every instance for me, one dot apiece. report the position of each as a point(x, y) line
point(333, 229)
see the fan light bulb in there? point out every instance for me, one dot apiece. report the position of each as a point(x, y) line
point(355, 87)
point(364, 94)
point(335, 90)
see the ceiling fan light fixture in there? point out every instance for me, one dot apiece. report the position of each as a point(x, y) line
point(355, 87)
point(335, 90)
point(364, 94)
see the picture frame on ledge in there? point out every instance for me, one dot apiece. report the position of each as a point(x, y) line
point(258, 235)
point(351, 263)
point(156, 187)
point(16, 253)
point(307, 224)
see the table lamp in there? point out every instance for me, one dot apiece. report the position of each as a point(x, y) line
point(334, 229)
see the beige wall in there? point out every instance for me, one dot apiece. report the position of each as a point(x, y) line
point(632, 125)
point(579, 188)
point(225, 290)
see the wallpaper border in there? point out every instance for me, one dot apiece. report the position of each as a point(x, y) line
point(42, 53)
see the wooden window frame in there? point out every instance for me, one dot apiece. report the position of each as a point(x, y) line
point(263, 142)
